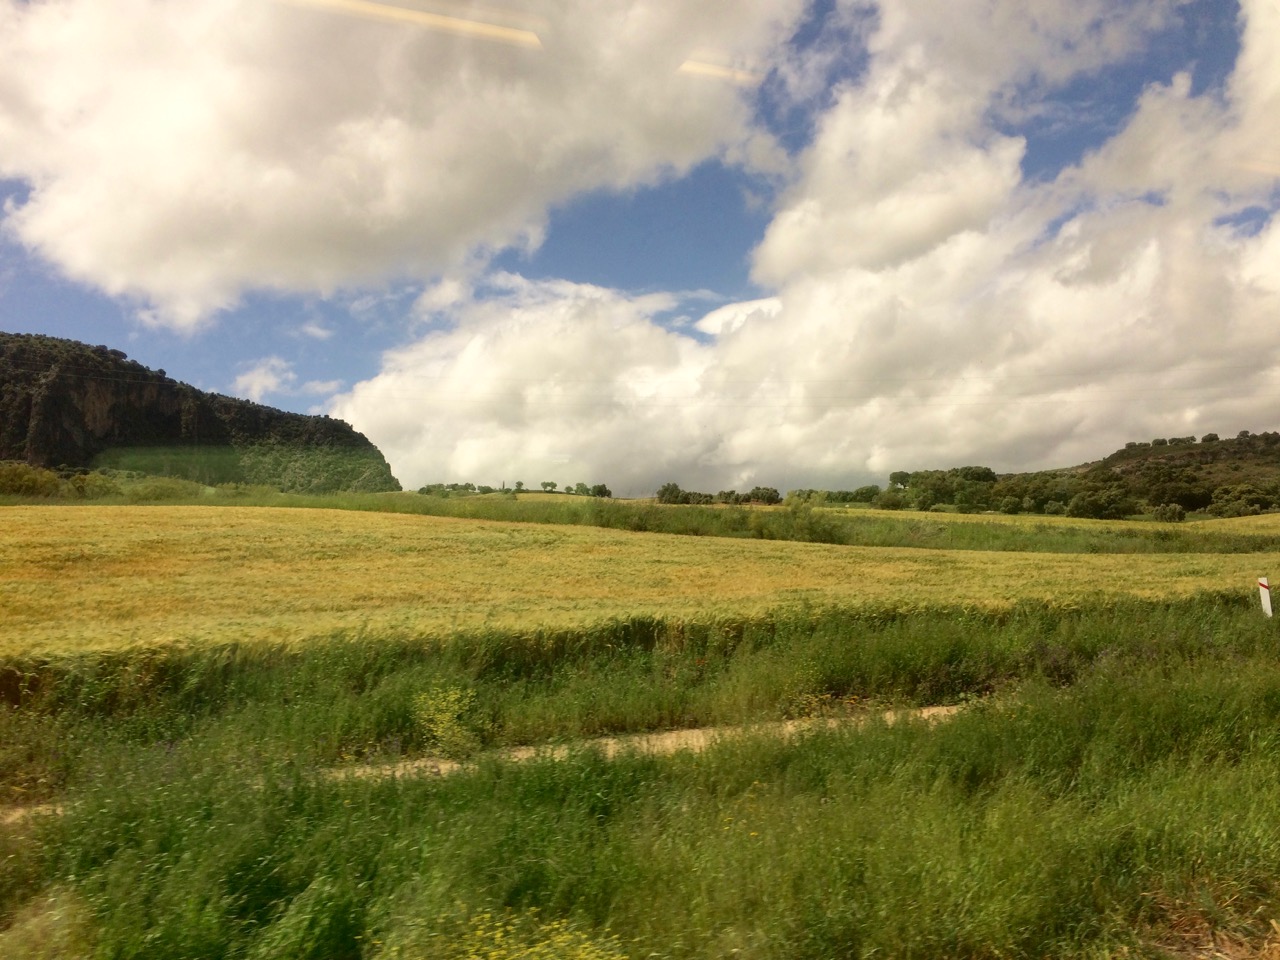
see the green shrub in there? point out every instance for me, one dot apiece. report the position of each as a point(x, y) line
point(23, 480)
point(1169, 513)
point(441, 715)
point(93, 486)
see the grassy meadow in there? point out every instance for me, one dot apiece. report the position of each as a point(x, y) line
point(180, 682)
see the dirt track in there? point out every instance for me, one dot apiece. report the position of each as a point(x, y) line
point(694, 739)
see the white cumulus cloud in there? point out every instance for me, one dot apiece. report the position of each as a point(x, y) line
point(181, 152)
point(931, 306)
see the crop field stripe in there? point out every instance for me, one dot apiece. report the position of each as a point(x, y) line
point(110, 577)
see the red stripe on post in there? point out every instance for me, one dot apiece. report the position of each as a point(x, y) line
point(1265, 586)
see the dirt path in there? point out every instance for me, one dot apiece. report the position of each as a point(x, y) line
point(663, 743)
point(695, 739)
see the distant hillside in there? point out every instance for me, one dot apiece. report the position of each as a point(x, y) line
point(67, 404)
point(1168, 477)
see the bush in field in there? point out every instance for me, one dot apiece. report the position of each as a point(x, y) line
point(1169, 513)
point(23, 480)
point(440, 714)
point(91, 486)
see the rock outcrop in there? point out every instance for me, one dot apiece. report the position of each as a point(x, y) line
point(67, 404)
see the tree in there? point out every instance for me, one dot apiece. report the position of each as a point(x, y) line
point(891, 500)
point(670, 493)
point(581, 489)
point(898, 479)
point(767, 495)
point(519, 484)
point(976, 474)
point(548, 485)
point(600, 490)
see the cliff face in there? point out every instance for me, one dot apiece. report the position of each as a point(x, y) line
point(64, 403)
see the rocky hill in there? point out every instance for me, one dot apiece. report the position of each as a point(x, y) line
point(67, 404)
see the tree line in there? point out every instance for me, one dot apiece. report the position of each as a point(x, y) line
point(472, 489)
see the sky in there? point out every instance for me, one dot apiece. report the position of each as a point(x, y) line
point(726, 243)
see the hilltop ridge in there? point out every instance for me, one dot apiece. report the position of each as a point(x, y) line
point(68, 404)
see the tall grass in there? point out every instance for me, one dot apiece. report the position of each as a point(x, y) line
point(1112, 787)
point(362, 696)
point(1116, 813)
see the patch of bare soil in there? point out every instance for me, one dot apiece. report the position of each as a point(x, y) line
point(12, 816)
point(665, 742)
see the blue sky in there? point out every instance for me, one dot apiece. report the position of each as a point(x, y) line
point(723, 243)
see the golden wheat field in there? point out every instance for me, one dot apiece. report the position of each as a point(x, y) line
point(97, 577)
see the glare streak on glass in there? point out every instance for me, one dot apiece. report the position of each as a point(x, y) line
point(432, 21)
point(742, 78)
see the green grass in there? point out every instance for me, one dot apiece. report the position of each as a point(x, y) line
point(360, 696)
point(1118, 787)
point(1078, 820)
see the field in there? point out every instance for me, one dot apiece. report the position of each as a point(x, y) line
point(186, 689)
point(218, 574)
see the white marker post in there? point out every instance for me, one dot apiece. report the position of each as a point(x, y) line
point(1264, 589)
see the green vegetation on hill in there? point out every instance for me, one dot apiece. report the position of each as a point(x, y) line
point(1166, 478)
point(69, 406)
